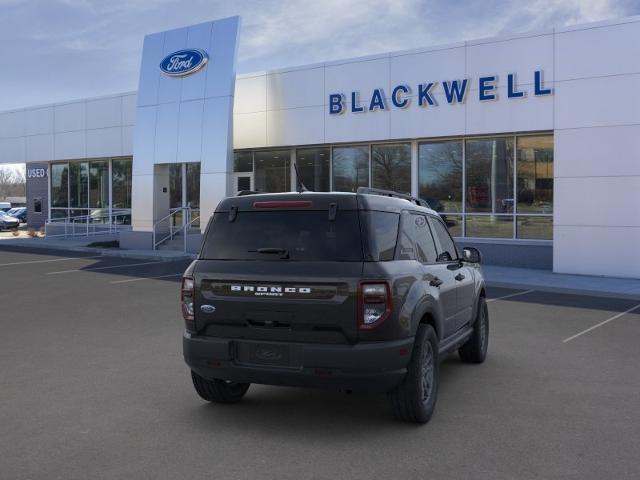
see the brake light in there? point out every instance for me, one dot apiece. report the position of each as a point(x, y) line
point(374, 304)
point(283, 204)
point(186, 299)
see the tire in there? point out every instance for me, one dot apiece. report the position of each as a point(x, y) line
point(475, 349)
point(414, 400)
point(219, 391)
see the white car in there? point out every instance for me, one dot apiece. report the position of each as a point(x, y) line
point(8, 222)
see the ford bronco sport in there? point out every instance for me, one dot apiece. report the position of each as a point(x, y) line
point(354, 291)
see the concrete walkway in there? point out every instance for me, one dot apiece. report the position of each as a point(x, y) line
point(80, 245)
point(547, 281)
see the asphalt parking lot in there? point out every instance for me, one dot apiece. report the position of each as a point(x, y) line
point(93, 385)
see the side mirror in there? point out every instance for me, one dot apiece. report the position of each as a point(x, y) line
point(471, 255)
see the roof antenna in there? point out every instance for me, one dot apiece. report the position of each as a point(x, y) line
point(301, 187)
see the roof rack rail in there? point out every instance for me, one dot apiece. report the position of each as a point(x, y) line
point(243, 193)
point(391, 193)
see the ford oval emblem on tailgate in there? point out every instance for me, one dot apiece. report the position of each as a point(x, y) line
point(207, 309)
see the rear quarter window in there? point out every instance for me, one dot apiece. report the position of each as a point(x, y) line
point(381, 232)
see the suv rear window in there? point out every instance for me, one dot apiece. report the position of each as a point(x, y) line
point(304, 235)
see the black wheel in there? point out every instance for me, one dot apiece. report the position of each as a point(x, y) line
point(475, 349)
point(414, 400)
point(219, 391)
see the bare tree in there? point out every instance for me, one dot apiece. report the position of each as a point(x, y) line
point(12, 183)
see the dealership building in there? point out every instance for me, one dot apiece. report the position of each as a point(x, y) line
point(528, 145)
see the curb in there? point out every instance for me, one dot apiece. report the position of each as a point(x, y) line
point(106, 252)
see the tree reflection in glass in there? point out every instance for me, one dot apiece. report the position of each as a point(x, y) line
point(391, 167)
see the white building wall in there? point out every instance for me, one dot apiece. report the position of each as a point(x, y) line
point(597, 149)
point(94, 127)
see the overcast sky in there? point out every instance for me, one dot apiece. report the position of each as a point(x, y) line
point(56, 50)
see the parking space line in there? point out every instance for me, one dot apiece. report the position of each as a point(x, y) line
point(46, 261)
point(615, 317)
point(103, 268)
point(510, 296)
point(129, 280)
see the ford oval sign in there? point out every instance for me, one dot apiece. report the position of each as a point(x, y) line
point(184, 62)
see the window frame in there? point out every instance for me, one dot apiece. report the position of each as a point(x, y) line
point(440, 250)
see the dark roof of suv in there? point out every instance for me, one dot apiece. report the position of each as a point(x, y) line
point(322, 200)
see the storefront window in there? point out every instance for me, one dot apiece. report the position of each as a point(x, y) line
point(489, 226)
point(175, 185)
point(78, 184)
point(539, 227)
point(243, 161)
point(99, 184)
point(313, 167)
point(350, 168)
point(60, 185)
point(272, 171)
point(121, 183)
point(535, 174)
point(440, 175)
point(470, 182)
point(193, 185)
point(489, 171)
point(391, 167)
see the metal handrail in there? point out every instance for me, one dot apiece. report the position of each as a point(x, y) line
point(71, 223)
point(172, 232)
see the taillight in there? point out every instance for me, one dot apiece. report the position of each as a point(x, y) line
point(374, 304)
point(186, 298)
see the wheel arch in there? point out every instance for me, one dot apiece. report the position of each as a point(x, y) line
point(428, 318)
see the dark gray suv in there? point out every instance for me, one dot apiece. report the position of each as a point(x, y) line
point(354, 291)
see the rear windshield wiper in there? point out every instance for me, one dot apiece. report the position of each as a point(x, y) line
point(283, 252)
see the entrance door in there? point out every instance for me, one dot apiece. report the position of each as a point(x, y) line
point(242, 181)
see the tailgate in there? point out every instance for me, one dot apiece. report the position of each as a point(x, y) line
point(278, 301)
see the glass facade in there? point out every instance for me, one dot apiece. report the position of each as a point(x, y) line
point(82, 188)
point(391, 167)
point(350, 168)
point(440, 175)
point(314, 168)
point(60, 185)
point(483, 187)
point(121, 183)
point(272, 170)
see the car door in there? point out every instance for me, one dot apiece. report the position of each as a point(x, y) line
point(462, 274)
point(417, 243)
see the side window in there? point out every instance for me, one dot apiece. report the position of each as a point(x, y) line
point(446, 248)
point(426, 248)
point(416, 242)
point(406, 241)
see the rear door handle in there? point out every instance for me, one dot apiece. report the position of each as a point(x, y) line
point(435, 282)
point(459, 277)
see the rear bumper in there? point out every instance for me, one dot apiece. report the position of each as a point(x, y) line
point(372, 366)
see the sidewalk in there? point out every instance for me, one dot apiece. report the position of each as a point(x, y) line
point(547, 281)
point(80, 245)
